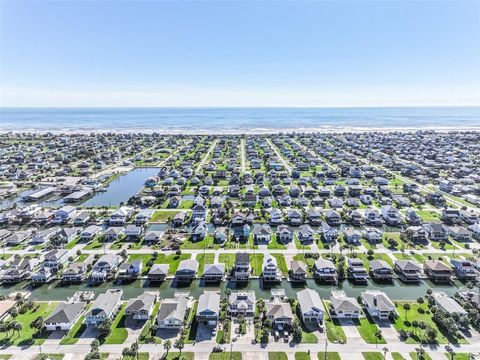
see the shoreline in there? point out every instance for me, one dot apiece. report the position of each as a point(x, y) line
point(255, 131)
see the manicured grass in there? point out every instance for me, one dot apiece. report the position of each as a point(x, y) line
point(256, 262)
point(307, 260)
point(429, 215)
point(282, 265)
point(176, 356)
point(277, 355)
point(397, 356)
point(235, 355)
point(203, 259)
point(95, 244)
point(186, 204)
point(335, 332)
point(309, 338)
point(147, 329)
point(207, 243)
point(367, 329)
point(28, 335)
point(141, 356)
point(228, 259)
point(458, 356)
point(163, 216)
point(192, 329)
point(82, 258)
point(172, 260)
point(275, 245)
point(118, 334)
point(302, 355)
point(299, 245)
point(414, 356)
point(72, 243)
point(331, 355)
point(372, 355)
point(75, 332)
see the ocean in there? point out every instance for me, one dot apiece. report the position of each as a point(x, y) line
point(249, 120)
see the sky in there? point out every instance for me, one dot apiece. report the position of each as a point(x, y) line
point(239, 53)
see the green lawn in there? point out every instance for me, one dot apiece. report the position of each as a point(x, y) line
point(175, 356)
point(429, 216)
point(335, 332)
point(277, 355)
point(147, 329)
point(414, 356)
point(367, 328)
point(256, 262)
point(75, 332)
point(81, 258)
point(275, 245)
point(302, 355)
point(458, 356)
point(404, 322)
point(228, 259)
point(119, 333)
point(207, 243)
point(397, 356)
point(372, 355)
point(282, 265)
point(331, 355)
point(141, 356)
point(203, 259)
point(192, 330)
point(172, 260)
point(299, 245)
point(28, 335)
point(235, 355)
point(95, 244)
point(163, 216)
point(72, 243)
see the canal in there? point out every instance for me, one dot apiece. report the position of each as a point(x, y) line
point(55, 291)
point(122, 188)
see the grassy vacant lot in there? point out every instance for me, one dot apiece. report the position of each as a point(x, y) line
point(256, 262)
point(173, 260)
point(335, 332)
point(163, 216)
point(28, 336)
point(207, 243)
point(330, 355)
point(203, 259)
point(225, 356)
point(420, 313)
point(372, 355)
point(228, 259)
point(301, 355)
point(367, 329)
point(277, 355)
point(51, 356)
point(118, 333)
point(282, 265)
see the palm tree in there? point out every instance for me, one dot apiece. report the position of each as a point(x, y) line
point(385, 350)
point(420, 353)
point(167, 345)
point(16, 327)
point(179, 344)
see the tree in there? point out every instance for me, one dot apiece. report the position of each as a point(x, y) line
point(179, 344)
point(420, 353)
point(296, 332)
point(105, 328)
point(406, 307)
point(38, 324)
point(16, 327)
point(167, 345)
point(385, 350)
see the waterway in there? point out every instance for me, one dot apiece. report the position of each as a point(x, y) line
point(122, 188)
point(55, 291)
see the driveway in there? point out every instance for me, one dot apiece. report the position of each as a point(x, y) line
point(389, 333)
point(204, 333)
point(134, 328)
point(351, 331)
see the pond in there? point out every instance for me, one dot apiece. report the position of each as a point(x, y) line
point(55, 291)
point(122, 188)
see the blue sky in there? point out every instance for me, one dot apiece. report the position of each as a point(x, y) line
point(154, 53)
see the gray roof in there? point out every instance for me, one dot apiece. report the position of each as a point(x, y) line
point(105, 303)
point(309, 299)
point(188, 265)
point(65, 313)
point(172, 308)
point(377, 299)
point(159, 269)
point(143, 302)
point(379, 264)
point(209, 301)
point(279, 310)
point(214, 269)
point(408, 265)
point(341, 302)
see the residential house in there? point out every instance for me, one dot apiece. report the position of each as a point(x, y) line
point(55, 259)
point(208, 308)
point(437, 271)
point(381, 271)
point(105, 307)
point(270, 270)
point(130, 270)
point(64, 316)
point(186, 271)
point(408, 271)
point(74, 273)
point(298, 271)
point(311, 307)
point(465, 270)
point(141, 307)
point(105, 268)
point(262, 233)
point(279, 313)
point(242, 303)
point(172, 313)
point(325, 271)
point(213, 272)
point(356, 270)
point(343, 307)
point(158, 272)
point(241, 267)
point(378, 304)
